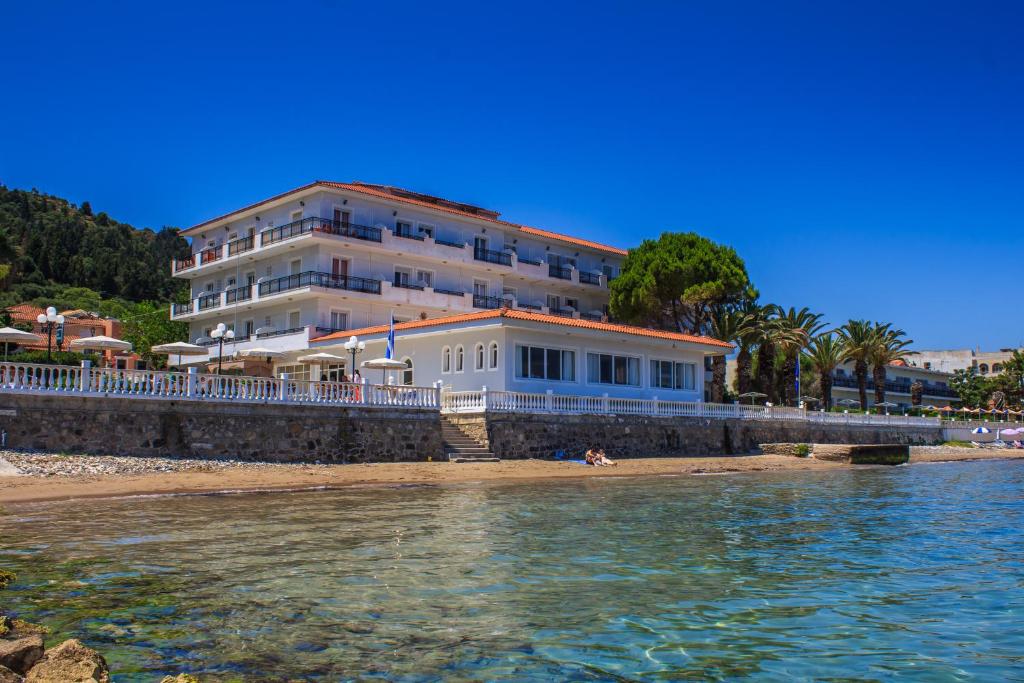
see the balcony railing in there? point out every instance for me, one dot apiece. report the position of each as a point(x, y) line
point(238, 294)
point(564, 312)
point(446, 243)
point(319, 225)
point(482, 301)
point(408, 235)
point(559, 272)
point(242, 245)
point(589, 278)
point(185, 263)
point(451, 292)
point(406, 285)
point(182, 309)
point(208, 301)
point(315, 279)
point(210, 255)
point(529, 261)
point(895, 387)
point(492, 256)
point(530, 307)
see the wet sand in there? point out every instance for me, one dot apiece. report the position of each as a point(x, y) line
point(23, 489)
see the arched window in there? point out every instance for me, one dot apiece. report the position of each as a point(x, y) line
point(983, 368)
point(460, 358)
point(478, 357)
point(446, 359)
point(997, 367)
point(407, 373)
point(492, 356)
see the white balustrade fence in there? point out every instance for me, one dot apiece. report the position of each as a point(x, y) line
point(519, 402)
point(192, 386)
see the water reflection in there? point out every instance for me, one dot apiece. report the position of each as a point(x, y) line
point(914, 572)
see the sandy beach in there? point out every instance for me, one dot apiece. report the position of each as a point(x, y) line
point(216, 477)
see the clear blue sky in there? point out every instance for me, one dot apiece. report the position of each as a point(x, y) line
point(866, 159)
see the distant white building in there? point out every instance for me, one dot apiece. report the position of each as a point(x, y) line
point(984, 362)
point(478, 300)
point(899, 379)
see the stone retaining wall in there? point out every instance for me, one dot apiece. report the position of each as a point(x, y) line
point(539, 436)
point(280, 433)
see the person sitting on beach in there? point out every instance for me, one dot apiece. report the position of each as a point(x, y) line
point(597, 458)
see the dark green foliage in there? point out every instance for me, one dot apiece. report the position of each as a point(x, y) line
point(47, 244)
point(674, 282)
point(972, 388)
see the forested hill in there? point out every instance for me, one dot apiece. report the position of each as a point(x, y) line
point(48, 245)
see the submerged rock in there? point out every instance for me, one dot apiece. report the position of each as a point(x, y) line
point(70, 662)
point(19, 655)
point(180, 678)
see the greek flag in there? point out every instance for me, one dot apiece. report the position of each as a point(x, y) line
point(390, 352)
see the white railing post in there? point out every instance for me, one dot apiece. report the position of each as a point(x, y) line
point(483, 398)
point(85, 381)
point(606, 406)
point(654, 406)
point(549, 400)
point(362, 393)
point(191, 382)
point(282, 393)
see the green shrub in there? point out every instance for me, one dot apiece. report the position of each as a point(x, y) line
point(958, 444)
point(6, 578)
point(803, 450)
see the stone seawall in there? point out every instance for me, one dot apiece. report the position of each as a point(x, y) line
point(271, 432)
point(539, 436)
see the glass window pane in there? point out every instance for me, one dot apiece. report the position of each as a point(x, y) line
point(606, 369)
point(569, 366)
point(634, 372)
point(554, 364)
point(536, 362)
point(523, 362)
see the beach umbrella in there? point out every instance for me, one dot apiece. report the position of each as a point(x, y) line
point(259, 352)
point(752, 395)
point(180, 349)
point(9, 335)
point(981, 430)
point(100, 343)
point(321, 359)
point(384, 364)
point(886, 405)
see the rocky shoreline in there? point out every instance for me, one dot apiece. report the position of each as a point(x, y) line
point(41, 464)
point(24, 658)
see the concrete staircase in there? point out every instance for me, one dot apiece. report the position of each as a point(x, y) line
point(460, 447)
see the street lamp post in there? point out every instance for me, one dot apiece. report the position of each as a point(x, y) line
point(220, 334)
point(354, 346)
point(49, 322)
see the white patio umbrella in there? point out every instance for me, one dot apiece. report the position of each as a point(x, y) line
point(259, 352)
point(100, 343)
point(9, 334)
point(321, 359)
point(180, 349)
point(384, 364)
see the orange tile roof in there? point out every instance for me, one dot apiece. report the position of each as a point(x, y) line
point(376, 191)
point(513, 314)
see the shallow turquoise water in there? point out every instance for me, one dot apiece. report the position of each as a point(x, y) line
point(912, 573)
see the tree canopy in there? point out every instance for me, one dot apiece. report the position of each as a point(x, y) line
point(675, 281)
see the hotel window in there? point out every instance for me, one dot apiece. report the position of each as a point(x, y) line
point(247, 328)
point(554, 302)
point(401, 277)
point(446, 360)
point(508, 294)
point(296, 215)
point(339, 320)
point(460, 358)
point(492, 356)
point(343, 218)
point(608, 271)
point(296, 372)
point(407, 372)
point(668, 375)
point(425, 229)
point(478, 357)
point(535, 362)
point(605, 368)
point(293, 319)
point(574, 304)
point(424, 278)
point(403, 228)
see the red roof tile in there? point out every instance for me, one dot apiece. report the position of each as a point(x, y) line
point(513, 314)
point(447, 206)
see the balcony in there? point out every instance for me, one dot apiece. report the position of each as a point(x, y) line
point(895, 387)
point(406, 234)
point(559, 272)
point(238, 294)
point(589, 278)
point(446, 243)
point(319, 225)
point(482, 301)
point(491, 256)
point(315, 279)
point(240, 246)
point(182, 309)
point(208, 301)
point(407, 285)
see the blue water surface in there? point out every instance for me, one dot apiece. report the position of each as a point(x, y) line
point(907, 573)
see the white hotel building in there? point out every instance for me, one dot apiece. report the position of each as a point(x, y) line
point(479, 301)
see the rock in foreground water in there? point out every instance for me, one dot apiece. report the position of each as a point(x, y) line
point(20, 655)
point(70, 662)
point(8, 676)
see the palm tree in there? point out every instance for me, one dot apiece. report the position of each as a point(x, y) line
point(768, 331)
point(889, 347)
point(796, 328)
point(753, 314)
point(729, 326)
point(826, 352)
point(859, 339)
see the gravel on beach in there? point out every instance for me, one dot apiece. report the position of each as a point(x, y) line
point(57, 465)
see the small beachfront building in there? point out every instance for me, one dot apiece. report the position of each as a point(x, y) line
point(523, 351)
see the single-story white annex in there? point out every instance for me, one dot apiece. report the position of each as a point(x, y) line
point(513, 350)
